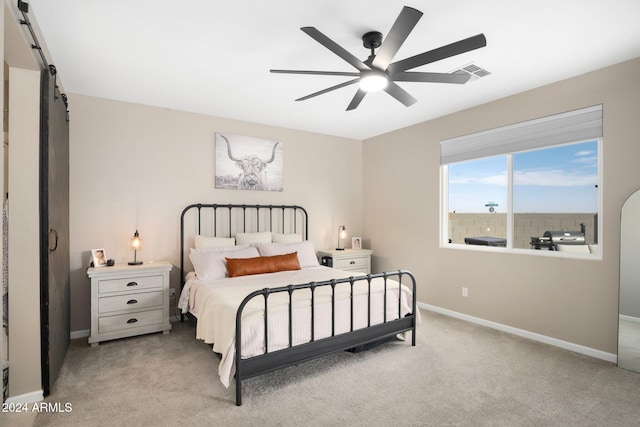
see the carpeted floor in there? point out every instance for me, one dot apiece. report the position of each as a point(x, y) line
point(458, 374)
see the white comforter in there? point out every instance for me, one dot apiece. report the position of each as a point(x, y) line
point(215, 303)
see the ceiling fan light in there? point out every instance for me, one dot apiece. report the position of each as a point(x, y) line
point(373, 81)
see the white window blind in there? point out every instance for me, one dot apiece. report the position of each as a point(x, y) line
point(572, 126)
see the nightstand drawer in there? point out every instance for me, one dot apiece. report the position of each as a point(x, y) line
point(131, 301)
point(351, 263)
point(130, 284)
point(128, 321)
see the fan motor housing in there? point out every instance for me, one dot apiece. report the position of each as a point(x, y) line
point(372, 39)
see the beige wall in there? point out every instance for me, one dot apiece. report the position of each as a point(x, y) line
point(568, 299)
point(24, 238)
point(134, 166)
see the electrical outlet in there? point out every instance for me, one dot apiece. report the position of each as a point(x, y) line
point(172, 293)
point(465, 292)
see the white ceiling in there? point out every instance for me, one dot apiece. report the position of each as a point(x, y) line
point(213, 57)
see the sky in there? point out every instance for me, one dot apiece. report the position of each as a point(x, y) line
point(560, 179)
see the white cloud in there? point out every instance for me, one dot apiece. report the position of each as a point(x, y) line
point(500, 180)
point(538, 178)
point(584, 153)
point(589, 161)
point(553, 178)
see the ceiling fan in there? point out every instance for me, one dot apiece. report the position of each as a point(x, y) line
point(378, 72)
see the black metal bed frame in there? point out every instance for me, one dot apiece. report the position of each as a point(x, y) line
point(294, 354)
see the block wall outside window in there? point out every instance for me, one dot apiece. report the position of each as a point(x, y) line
point(527, 225)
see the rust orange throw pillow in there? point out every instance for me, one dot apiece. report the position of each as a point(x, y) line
point(262, 264)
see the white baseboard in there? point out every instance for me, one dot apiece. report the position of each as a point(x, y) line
point(577, 348)
point(630, 318)
point(83, 333)
point(31, 397)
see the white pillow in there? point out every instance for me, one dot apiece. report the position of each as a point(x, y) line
point(253, 238)
point(213, 242)
point(306, 252)
point(287, 238)
point(219, 248)
point(213, 265)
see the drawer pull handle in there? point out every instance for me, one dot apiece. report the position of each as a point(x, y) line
point(132, 320)
point(132, 301)
point(352, 262)
point(132, 284)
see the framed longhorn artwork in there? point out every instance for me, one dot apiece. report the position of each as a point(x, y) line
point(248, 163)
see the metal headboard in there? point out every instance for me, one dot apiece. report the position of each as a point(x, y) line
point(224, 220)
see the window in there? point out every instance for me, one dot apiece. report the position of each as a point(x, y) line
point(530, 186)
point(477, 199)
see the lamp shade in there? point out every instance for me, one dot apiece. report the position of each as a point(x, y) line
point(136, 243)
point(342, 233)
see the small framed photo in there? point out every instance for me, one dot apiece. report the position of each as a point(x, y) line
point(99, 257)
point(356, 243)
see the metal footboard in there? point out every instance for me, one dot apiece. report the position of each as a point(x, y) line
point(294, 354)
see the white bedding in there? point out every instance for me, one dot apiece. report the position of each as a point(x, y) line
point(215, 303)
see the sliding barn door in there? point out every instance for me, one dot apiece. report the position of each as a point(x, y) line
point(54, 230)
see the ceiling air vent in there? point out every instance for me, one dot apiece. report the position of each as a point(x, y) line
point(472, 69)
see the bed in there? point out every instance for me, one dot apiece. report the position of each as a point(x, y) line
point(252, 282)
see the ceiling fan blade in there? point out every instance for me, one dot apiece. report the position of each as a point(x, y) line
point(443, 52)
point(320, 73)
point(400, 94)
point(357, 98)
point(408, 76)
point(329, 89)
point(398, 33)
point(335, 48)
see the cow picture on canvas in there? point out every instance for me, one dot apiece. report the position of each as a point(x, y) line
point(248, 163)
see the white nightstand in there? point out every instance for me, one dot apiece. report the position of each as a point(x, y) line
point(128, 300)
point(358, 260)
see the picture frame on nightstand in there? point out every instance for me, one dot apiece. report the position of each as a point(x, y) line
point(98, 257)
point(356, 242)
